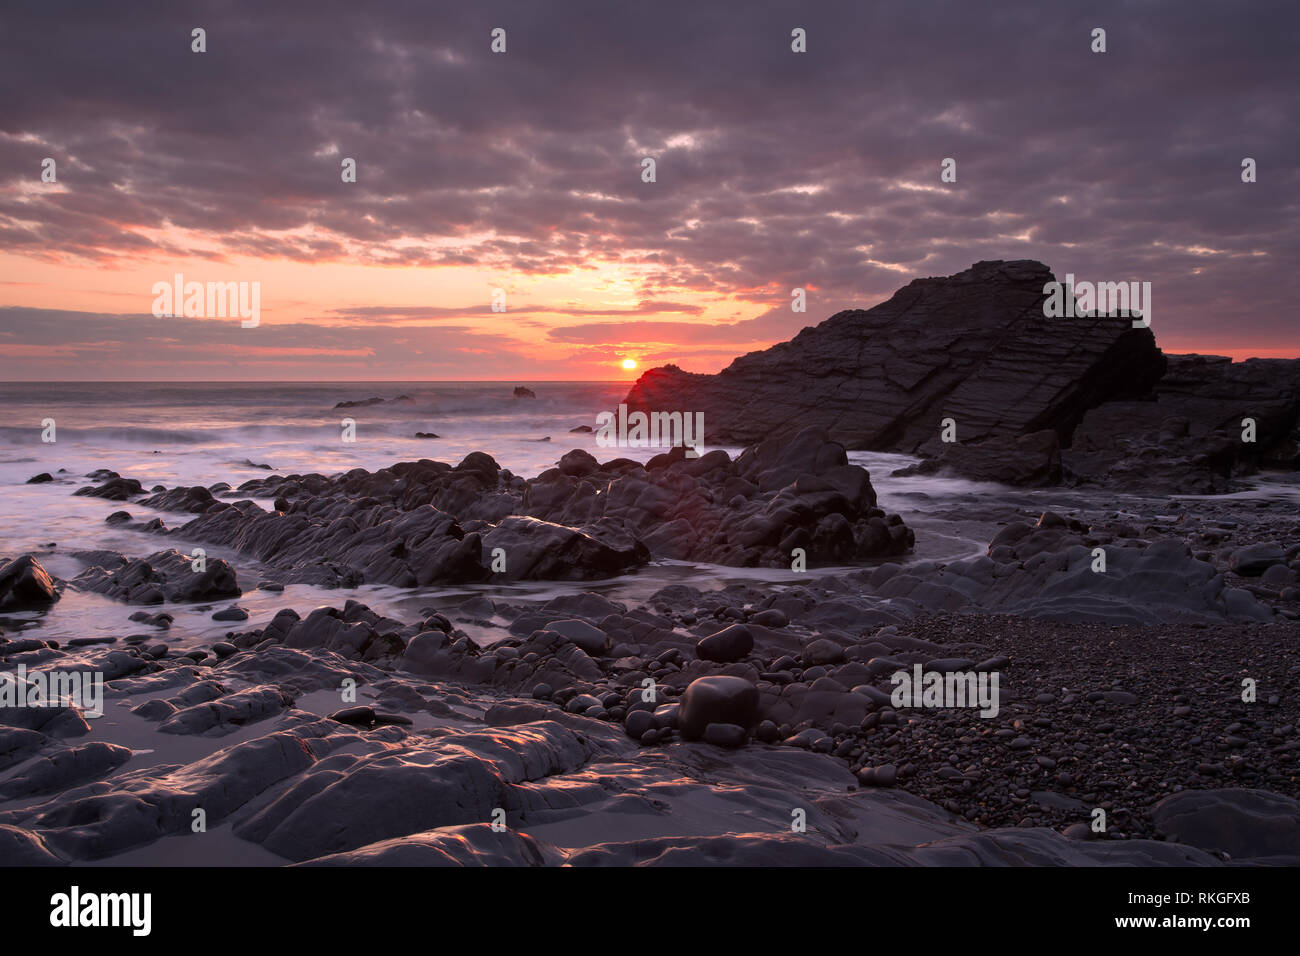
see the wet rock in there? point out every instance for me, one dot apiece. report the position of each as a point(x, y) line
point(1242, 823)
point(718, 699)
point(1253, 560)
point(732, 643)
point(25, 585)
point(725, 735)
point(164, 575)
point(65, 768)
point(591, 639)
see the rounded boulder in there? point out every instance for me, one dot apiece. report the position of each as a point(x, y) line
point(717, 700)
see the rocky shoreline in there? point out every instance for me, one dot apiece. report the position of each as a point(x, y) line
point(633, 725)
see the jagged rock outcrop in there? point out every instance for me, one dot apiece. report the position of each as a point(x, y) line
point(1033, 459)
point(25, 585)
point(422, 522)
point(974, 347)
point(1191, 434)
point(163, 576)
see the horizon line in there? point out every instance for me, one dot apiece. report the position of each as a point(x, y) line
point(304, 381)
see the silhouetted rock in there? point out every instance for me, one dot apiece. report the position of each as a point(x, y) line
point(417, 523)
point(115, 488)
point(367, 402)
point(1033, 459)
point(974, 347)
point(1193, 433)
point(195, 500)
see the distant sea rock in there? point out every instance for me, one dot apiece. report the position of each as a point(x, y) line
point(522, 391)
point(367, 402)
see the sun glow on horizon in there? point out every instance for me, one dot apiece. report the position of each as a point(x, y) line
point(629, 364)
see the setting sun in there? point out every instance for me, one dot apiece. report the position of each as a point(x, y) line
point(629, 364)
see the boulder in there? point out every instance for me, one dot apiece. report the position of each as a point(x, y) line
point(1254, 559)
point(591, 639)
point(718, 699)
point(25, 585)
point(726, 646)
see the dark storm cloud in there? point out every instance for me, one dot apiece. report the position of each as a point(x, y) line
point(775, 170)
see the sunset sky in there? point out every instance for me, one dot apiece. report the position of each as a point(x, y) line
point(522, 171)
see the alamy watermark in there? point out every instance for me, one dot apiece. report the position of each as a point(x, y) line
point(211, 300)
point(922, 688)
point(77, 909)
point(1124, 299)
point(81, 689)
point(655, 429)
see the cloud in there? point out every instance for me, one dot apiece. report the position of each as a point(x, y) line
point(53, 344)
point(380, 314)
point(774, 170)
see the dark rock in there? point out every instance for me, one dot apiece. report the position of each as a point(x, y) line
point(1242, 823)
point(883, 776)
point(195, 500)
point(823, 651)
point(1027, 460)
point(25, 585)
point(1254, 559)
point(730, 644)
point(720, 700)
point(359, 716)
point(974, 346)
point(725, 735)
point(1186, 437)
point(591, 639)
point(114, 489)
point(164, 575)
point(637, 722)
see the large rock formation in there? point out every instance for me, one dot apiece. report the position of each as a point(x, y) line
point(974, 347)
point(425, 522)
point(1208, 419)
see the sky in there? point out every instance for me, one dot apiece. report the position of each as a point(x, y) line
point(522, 171)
